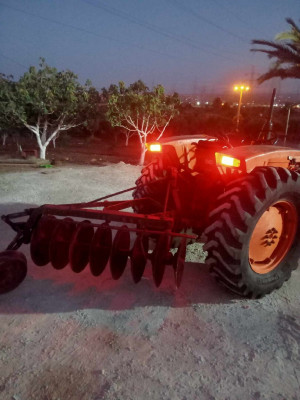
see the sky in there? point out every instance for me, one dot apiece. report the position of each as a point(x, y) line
point(188, 46)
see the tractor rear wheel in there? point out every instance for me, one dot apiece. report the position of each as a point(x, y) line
point(253, 232)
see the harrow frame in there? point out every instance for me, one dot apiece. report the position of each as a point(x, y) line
point(150, 224)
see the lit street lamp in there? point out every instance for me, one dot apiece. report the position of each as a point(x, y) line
point(241, 89)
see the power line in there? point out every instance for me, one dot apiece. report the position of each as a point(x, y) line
point(23, 46)
point(89, 32)
point(232, 13)
point(154, 28)
point(12, 60)
point(199, 16)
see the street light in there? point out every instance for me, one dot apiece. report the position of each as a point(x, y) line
point(241, 89)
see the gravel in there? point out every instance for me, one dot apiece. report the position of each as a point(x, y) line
point(72, 336)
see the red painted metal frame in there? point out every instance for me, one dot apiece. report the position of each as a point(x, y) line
point(108, 211)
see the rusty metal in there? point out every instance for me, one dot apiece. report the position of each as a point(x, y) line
point(100, 249)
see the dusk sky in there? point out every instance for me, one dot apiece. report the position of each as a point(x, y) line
point(186, 45)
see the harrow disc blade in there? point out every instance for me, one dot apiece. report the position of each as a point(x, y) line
point(40, 240)
point(100, 249)
point(159, 258)
point(60, 243)
point(13, 270)
point(15, 254)
point(80, 246)
point(178, 262)
point(120, 252)
point(139, 257)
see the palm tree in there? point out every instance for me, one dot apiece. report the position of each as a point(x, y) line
point(286, 54)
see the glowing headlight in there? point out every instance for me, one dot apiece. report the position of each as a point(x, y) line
point(227, 161)
point(155, 147)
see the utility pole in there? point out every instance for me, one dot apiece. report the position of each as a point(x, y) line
point(241, 89)
point(287, 124)
point(269, 124)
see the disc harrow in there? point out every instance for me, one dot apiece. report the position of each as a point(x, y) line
point(65, 241)
point(57, 238)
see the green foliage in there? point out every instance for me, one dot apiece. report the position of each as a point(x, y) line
point(217, 103)
point(46, 166)
point(216, 119)
point(52, 95)
point(140, 111)
point(7, 103)
point(286, 54)
point(48, 101)
point(137, 108)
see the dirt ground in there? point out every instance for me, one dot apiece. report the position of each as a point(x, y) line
point(67, 336)
point(75, 150)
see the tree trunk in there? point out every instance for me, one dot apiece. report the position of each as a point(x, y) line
point(4, 137)
point(127, 140)
point(143, 152)
point(43, 152)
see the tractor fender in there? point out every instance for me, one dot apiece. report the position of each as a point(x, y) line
point(253, 156)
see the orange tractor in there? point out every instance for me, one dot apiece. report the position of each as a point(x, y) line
point(243, 202)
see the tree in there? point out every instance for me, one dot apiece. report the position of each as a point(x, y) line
point(7, 121)
point(286, 54)
point(48, 102)
point(140, 111)
point(217, 104)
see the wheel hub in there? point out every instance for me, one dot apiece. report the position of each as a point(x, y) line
point(270, 237)
point(273, 236)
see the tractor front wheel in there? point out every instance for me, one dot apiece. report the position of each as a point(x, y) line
point(253, 233)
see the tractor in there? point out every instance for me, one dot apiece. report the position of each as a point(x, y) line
point(242, 202)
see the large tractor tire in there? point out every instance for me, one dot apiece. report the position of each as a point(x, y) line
point(151, 184)
point(252, 238)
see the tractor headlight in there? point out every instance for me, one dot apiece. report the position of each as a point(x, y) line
point(154, 147)
point(227, 161)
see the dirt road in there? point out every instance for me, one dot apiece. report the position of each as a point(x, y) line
point(67, 336)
